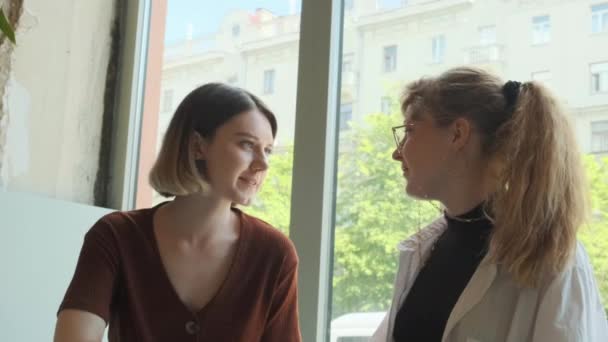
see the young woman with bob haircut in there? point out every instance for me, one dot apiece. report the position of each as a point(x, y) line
point(195, 268)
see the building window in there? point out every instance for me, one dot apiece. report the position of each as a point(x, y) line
point(543, 77)
point(390, 58)
point(487, 35)
point(438, 49)
point(349, 4)
point(386, 104)
point(236, 30)
point(541, 29)
point(599, 18)
point(599, 136)
point(167, 100)
point(347, 65)
point(346, 115)
point(269, 81)
point(599, 77)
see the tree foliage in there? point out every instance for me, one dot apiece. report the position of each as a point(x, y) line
point(594, 234)
point(273, 201)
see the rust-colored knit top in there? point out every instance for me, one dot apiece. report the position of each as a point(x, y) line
point(120, 277)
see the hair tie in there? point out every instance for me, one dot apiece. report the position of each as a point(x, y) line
point(511, 92)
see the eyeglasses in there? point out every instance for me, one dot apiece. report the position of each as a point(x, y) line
point(399, 134)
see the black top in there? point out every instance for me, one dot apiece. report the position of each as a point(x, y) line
point(453, 260)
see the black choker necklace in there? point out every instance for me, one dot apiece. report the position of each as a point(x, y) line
point(466, 220)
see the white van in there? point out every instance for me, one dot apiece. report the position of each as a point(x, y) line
point(355, 327)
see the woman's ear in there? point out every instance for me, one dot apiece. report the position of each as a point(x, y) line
point(460, 133)
point(199, 145)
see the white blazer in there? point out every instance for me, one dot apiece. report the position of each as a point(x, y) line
point(491, 308)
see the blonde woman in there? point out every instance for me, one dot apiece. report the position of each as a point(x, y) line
point(503, 263)
point(195, 268)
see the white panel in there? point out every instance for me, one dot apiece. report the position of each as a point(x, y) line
point(41, 240)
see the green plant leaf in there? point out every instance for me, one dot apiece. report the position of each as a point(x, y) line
point(5, 27)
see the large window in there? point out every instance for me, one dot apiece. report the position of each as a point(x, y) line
point(247, 44)
point(372, 211)
point(385, 44)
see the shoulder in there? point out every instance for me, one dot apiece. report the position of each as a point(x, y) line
point(570, 304)
point(576, 283)
point(128, 218)
point(581, 259)
point(268, 238)
point(121, 224)
point(580, 269)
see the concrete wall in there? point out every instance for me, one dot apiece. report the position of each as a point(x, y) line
point(54, 98)
point(52, 86)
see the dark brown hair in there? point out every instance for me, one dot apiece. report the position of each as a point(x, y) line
point(175, 171)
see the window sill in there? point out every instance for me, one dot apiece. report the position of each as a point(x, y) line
point(601, 33)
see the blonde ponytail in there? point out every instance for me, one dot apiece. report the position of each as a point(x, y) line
point(541, 197)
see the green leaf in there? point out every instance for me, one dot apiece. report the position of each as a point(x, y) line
point(5, 27)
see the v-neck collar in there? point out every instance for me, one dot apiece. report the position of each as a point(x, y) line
point(228, 281)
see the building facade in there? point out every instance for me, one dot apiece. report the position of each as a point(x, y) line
point(563, 44)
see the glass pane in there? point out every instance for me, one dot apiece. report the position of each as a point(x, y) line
point(540, 19)
point(248, 44)
point(390, 58)
point(373, 214)
point(599, 8)
point(595, 23)
point(487, 35)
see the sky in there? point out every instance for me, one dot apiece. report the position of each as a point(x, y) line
point(205, 15)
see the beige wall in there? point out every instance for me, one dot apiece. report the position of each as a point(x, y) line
point(54, 98)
